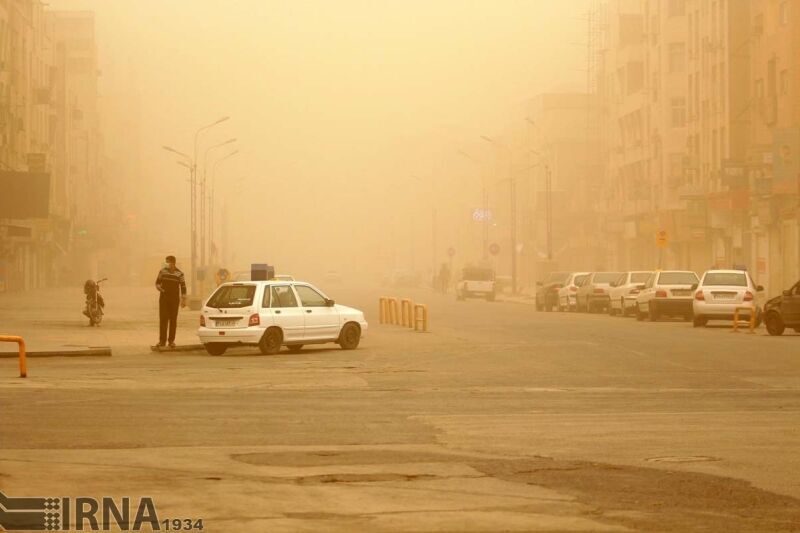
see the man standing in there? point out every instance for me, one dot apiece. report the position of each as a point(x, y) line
point(172, 287)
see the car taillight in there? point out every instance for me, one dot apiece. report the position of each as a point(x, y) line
point(748, 296)
point(573, 288)
point(661, 294)
point(599, 291)
point(254, 320)
point(202, 320)
point(699, 296)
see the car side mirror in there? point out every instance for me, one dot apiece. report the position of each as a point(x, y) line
point(694, 286)
point(329, 302)
point(787, 292)
point(760, 288)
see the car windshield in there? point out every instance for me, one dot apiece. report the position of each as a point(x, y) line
point(640, 277)
point(478, 274)
point(557, 277)
point(579, 279)
point(232, 296)
point(677, 278)
point(736, 279)
point(605, 277)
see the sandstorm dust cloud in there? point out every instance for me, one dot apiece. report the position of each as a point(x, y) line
point(348, 118)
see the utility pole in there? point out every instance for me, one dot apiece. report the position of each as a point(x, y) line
point(549, 212)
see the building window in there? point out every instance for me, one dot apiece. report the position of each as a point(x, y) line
point(677, 8)
point(678, 112)
point(677, 57)
point(784, 82)
point(784, 13)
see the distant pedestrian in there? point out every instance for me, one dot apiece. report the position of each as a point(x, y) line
point(172, 289)
point(444, 277)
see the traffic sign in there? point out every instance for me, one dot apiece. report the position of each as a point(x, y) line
point(451, 252)
point(494, 248)
point(662, 238)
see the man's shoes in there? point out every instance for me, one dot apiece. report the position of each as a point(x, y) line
point(172, 345)
point(158, 346)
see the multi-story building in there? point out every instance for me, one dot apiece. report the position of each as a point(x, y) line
point(50, 146)
point(772, 160)
point(558, 212)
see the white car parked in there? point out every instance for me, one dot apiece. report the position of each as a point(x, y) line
point(567, 294)
point(669, 292)
point(720, 292)
point(271, 314)
point(624, 290)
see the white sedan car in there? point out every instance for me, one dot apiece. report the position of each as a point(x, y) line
point(624, 290)
point(720, 292)
point(566, 294)
point(669, 292)
point(271, 314)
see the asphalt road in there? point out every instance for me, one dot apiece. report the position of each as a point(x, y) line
point(500, 418)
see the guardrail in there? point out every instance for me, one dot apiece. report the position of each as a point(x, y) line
point(403, 312)
point(751, 324)
point(23, 364)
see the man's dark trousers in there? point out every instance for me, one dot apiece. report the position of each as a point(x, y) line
point(168, 315)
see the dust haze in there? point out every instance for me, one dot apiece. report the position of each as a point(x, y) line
point(349, 118)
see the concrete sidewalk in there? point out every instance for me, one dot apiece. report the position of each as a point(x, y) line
point(130, 322)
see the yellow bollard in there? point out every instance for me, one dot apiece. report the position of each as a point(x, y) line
point(751, 324)
point(23, 363)
point(420, 317)
point(406, 312)
point(383, 309)
point(394, 315)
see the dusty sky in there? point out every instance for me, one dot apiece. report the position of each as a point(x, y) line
point(335, 105)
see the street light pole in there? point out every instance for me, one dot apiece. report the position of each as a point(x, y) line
point(549, 212)
point(193, 275)
point(484, 206)
point(512, 190)
point(203, 216)
point(211, 202)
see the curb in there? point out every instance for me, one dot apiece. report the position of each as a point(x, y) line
point(183, 348)
point(99, 351)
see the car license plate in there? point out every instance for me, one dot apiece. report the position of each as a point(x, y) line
point(226, 322)
point(724, 295)
point(681, 292)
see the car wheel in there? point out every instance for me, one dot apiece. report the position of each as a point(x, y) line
point(295, 348)
point(350, 336)
point(652, 314)
point(639, 313)
point(271, 341)
point(215, 348)
point(774, 323)
point(699, 321)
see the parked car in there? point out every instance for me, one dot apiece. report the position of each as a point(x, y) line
point(271, 314)
point(783, 311)
point(667, 293)
point(476, 282)
point(720, 292)
point(566, 294)
point(622, 295)
point(547, 290)
point(593, 293)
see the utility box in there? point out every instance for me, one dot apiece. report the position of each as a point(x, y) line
point(261, 272)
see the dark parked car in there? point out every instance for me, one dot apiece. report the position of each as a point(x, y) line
point(783, 311)
point(547, 291)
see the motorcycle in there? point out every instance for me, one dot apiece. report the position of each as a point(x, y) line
point(94, 301)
